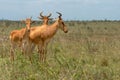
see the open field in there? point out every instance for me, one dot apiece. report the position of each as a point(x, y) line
point(89, 51)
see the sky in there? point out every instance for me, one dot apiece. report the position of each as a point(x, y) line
point(70, 9)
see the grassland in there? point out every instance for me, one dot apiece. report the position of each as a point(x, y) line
point(89, 51)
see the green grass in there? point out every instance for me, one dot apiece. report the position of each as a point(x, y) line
point(89, 51)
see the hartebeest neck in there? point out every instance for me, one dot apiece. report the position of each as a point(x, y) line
point(27, 31)
point(27, 26)
point(55, 24)
point(53, 28)
point(45, 22)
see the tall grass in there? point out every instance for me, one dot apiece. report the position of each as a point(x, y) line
point(89, 51)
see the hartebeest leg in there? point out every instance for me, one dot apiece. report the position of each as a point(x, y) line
point(12, 54)
point(44, 54)
point(31, 47)
point(24, 47)
point(29, 50)
point(45, 49)
point(41, 51)
point(12, 50)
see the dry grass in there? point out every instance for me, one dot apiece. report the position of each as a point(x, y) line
point(89, 51)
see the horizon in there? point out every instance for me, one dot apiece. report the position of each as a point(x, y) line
point(71, 9)
point(65, 20)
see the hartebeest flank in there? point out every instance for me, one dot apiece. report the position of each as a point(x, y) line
point(17, 36)
point(42, 35)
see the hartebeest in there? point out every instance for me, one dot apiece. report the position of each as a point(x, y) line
point(42, 35)
point(17, 37)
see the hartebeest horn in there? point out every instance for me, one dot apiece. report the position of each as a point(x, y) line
point(59, 14)
point(49, 15)
point(41, 14)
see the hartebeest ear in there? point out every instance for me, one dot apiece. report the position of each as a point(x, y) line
point(49, 15)
point(31, 17)
point(50, 18)
point(33, 22)
point(22, 20)
point(40, 18)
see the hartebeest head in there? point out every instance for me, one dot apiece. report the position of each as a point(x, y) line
point(45, 18)
point(28, 23)
point(61, 23)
